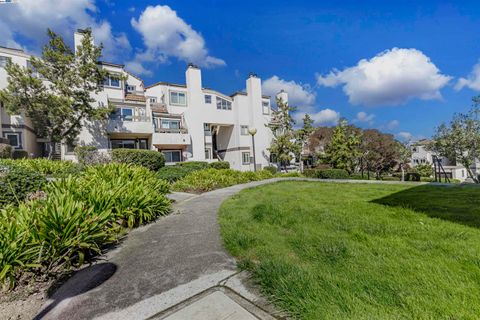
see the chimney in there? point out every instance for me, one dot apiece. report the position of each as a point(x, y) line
point(282, 95)
point(78, 37)
point(193, 77)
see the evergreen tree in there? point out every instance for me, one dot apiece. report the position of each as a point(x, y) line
point(57, 91)
point(283, 145)
point(343, 150)
point(303, 136)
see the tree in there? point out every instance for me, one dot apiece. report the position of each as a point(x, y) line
point(343, 150)
point(56, 92)
point(283, 145)
point(424, 170)
point(380, 152)
point(460, 140)
point(404, 158)
point(303, 136)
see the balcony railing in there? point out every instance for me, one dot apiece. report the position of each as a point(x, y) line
point(164, 130)
point(132, 118)
point(158, 107)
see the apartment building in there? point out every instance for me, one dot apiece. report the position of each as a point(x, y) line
point(421, 155)
point(186, 122)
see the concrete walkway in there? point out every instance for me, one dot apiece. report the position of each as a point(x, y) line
point(177, 263)
point(172, 269)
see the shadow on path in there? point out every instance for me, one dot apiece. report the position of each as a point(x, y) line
point(82, 281)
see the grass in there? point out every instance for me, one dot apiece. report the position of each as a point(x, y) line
point(360, 251)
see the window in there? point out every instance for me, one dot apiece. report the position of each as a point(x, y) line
point(124, 114)
point(245, 157)
point(70, 147)
point(169, 124)
point(244, 130)
point(129, 144)
point(131, 88)
point(266, 107)
point(223, 104)
point(3, 61)
point(178, 98)
point(112, 81)
point(172, 156)
point(14, 139)
point(153, 99)
point(207, 154)
point(208, 98)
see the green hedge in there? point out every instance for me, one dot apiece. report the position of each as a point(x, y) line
point(412, 176)
point(44, 166)
point(20, 154)
point(79, 216)
point(326, 173)
point(219, 165)
point(195, 165)
point(150, 159)
point(210, 179)
point(173, 173)
point(5, 151)
point(271, 169)
point(16, 183)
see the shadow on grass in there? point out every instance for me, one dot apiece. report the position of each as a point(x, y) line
point(82, 281)
point(455, 203)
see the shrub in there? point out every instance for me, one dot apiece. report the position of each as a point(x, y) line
point(219, 165)
point(150, 159)
point(17, 182)
point(291, 174)
point(271, 169)
point(390, 178)
point(20, 154)
point(89, 155)
point(412, 176)
point(5, 151)
point(173, 173)
point(195, 165)
point(78, 217)
point(326, 173)
point(210, 179)
point(44, 166)
point(424, 170)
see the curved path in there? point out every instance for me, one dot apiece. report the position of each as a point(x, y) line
point(165, 267)
point(160, 266)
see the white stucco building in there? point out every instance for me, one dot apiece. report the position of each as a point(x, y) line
point(187, 122)
point(422, 155)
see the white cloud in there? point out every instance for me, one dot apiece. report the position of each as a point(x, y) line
point(390, 78)
point(299, 95)
point(166, 35)
point(365, 117)
point(326, 116)
point(404, 136)
point(392, 124)
point(137, 68)
point(472, 81)
point(31, 18)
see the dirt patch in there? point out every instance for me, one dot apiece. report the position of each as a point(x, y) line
point(23, 302)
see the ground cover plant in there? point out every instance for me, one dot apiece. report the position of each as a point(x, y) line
point(360, 251)
point(43, 166)
point(210, 179)
point(75, 217)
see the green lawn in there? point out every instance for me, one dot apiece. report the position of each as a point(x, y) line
point(360, 251)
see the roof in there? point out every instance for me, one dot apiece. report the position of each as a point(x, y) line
point(135, 97)
point(238, 93)
point(163, 83)
point(111, 64)
point(17, 51)
point(135, 76)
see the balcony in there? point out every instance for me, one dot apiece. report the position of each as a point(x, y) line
point(171, 137)
point(157, 107)
point(134, 124)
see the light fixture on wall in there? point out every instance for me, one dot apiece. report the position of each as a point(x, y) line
point(252, 131)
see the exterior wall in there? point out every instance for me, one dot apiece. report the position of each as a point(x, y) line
point(191, 139)
point(246, 110)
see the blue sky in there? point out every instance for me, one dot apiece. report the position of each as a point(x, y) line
point(337, 58)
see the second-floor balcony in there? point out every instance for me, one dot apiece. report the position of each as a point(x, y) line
point(130, 124)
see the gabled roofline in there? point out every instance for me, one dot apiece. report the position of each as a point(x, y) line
point(111, 64)
point(163, 83)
